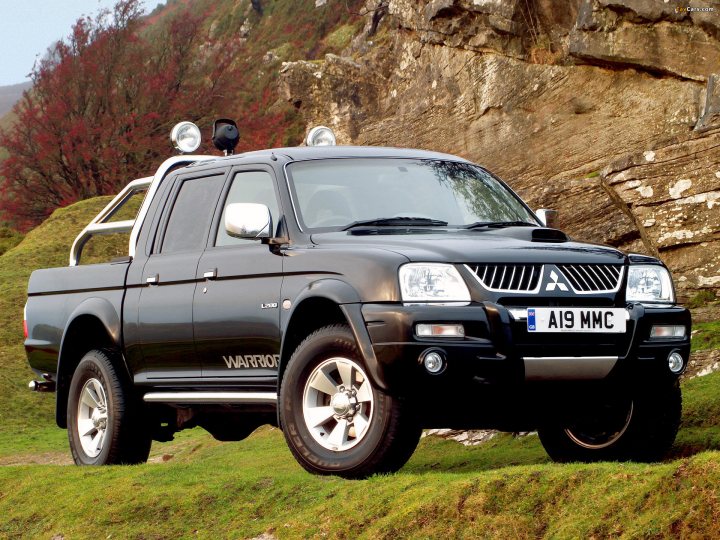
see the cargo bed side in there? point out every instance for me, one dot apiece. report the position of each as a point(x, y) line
point(57, 295)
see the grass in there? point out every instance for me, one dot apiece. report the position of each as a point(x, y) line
point(706, 335)
point(242, 490)
point(198, 487)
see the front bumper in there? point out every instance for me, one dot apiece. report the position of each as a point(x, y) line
point(498, 376)
point(497, 348)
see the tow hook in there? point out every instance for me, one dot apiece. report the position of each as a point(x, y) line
point(42, 386)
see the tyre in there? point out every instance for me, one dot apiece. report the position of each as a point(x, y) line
point(105, 426)
point(638, 426)
point(334, 420)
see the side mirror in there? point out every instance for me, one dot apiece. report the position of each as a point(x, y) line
point(248, 220)
point(547, 217)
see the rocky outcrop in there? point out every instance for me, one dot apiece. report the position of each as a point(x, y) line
point(673, 192)
point(539, 92)
point(658, 36)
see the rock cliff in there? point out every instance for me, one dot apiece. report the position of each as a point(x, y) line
point(606, 110)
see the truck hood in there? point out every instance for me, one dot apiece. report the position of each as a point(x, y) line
point(507, 245)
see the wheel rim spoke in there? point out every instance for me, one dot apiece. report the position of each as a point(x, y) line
point(360, 422)
point(86, 427)
point(95, 441)
point(321, 381)
point(89, 399)
point(338, 436)
point(346, 374)
point(99, 393)
point(364, 393)
point(317, 416)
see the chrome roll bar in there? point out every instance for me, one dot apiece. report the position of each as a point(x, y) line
point(101, 225)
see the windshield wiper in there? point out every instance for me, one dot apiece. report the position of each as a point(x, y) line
point(499, 224)
point(399, 221)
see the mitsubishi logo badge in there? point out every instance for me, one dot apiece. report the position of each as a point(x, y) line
point(554, 283)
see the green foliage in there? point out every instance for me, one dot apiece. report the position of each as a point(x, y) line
point(9, 238)
point(341, 37)
point(706, 336)
point(701, 299)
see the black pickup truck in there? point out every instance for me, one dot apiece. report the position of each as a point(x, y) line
point(353, 296)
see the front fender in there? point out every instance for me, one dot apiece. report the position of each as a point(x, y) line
point(345, 298)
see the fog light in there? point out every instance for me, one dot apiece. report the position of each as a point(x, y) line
point(440, 330)
point(667, 331)
point(433, 361)
point(676, 362)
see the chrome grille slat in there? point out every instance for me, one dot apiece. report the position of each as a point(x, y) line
point(593, 278)
point(504, 277)
point(574, 282)
point(589, 281)
point(600, 277)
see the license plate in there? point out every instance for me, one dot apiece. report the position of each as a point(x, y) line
point(601, 320)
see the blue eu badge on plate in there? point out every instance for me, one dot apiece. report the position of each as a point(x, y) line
point(531, 320)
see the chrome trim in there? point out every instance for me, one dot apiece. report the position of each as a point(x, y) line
point(518, 314)
point(99, 226)
point(536, 290)
point(211, 397)
point(567, 368)
point(593, 280)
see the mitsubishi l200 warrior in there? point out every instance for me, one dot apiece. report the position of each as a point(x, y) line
point(353, 296)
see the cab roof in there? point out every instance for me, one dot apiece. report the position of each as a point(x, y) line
point(301, 153)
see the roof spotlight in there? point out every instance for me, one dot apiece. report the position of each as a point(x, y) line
point(225, 135)
point(186, 137)
point(320, 136)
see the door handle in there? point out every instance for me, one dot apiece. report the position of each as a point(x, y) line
point(210, 274)
point(152, 280)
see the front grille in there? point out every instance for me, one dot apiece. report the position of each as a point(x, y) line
point(593, 278)
point(508, 277)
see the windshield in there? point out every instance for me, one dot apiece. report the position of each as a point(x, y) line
point(335, 193)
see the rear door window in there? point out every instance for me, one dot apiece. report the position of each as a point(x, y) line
point(189, 222)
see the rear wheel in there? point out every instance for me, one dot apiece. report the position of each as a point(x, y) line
point(104, 424)
point(334, 420)
point(639, 426)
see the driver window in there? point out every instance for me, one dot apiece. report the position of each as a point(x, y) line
point(248, 187)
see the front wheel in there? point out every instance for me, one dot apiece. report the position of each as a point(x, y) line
point(104, 424)
point(636, 426)
point(334, 420)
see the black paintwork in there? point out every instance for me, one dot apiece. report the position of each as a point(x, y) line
point(180, 332)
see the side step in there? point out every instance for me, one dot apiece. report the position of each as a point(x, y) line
point(206, 398)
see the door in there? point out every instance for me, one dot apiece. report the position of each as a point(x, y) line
point(165, 328)
point(237, 301)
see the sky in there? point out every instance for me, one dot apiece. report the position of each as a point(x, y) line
point(29, 27)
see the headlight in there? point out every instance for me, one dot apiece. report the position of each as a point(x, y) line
point(649, 283)
point(432, 282)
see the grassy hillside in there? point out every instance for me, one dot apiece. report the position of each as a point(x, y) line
point(197, 487)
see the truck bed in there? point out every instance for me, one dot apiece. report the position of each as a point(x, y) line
point(57, 293)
